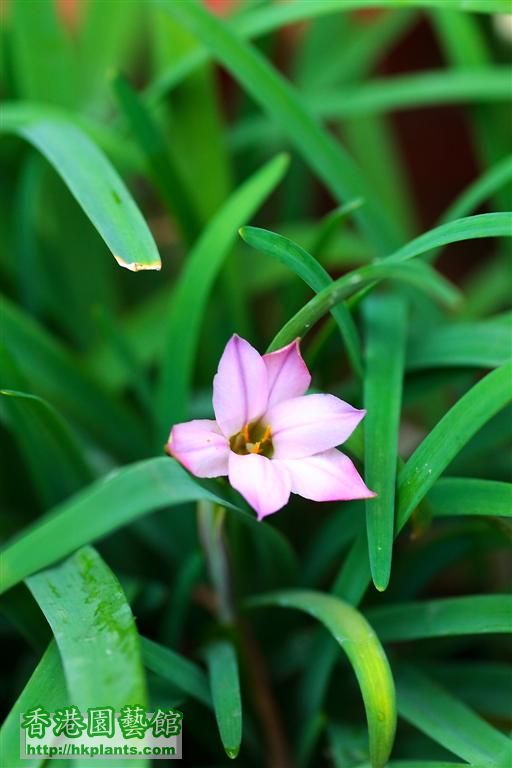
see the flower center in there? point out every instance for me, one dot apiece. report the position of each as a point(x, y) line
point(253, 438)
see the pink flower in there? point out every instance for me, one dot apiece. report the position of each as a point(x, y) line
point(270, 438)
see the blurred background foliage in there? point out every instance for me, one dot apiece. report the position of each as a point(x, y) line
point(374, 139)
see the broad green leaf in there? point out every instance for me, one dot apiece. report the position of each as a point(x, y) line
point(484, 686)
point(470, 615)
point(91, 179)
point(55, 375)
point(159, 161)
point(127, 494)
point(385, 321)
point(433, 710)
point(277, 97)
point(480, 345)
point(225, 686)
point(187, 305)
point(47, 688)
point(460, 496)
point(311, 271)
point(50, 449)
point(353, 284)
point(177, 669)
point(365, 654)
point(95, 632)
point(485, 399)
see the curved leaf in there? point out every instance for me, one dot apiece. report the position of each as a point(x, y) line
point(365, 654)
point(225, 686)
point(127, 493)
point(459, 496)
point(177, 669)
point(91, 179)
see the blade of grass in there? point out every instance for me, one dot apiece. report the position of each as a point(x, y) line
point(483, 686)
point(54, 374)
point(225, 686)
point(95, 632)
point(480, 190)
point(127, 493)
point(160, 164)
point(91, 179)
point(460, 496)
point(280, 100)
point(480, 345)
point(311, 271)
point(50, 449)
point(187, 306)
point(433, 710)
point(469, 615)
point(47, 688)
point(385, 321)
point(365, 654)
point(177, 669)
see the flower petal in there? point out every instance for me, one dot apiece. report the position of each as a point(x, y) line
point(328, 476)
point(240, 387)
point(201, 447)
point(262, 483)
point(288, 374)
point(310, 424)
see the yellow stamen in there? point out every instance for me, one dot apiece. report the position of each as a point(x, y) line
point(267, 434)
point(256, 447)
point(245, 433)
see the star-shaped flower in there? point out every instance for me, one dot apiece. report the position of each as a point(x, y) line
point(268, 437)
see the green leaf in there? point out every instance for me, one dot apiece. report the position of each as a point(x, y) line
point(480, 190)
point(308, 269)
point(352, 284)
point(459, 496)
point(152, 144)
point(127, 494)
point(486, 398)
point(365, 654)
point(188, 302)
point(91, 179)
point(177, 669)
point(225, 685)
point(55, 375)
point(385, 320)
point(269, 89)
point(433, 710)
point(485, 686)
point(470, 615)
point(474, 345)
point(47, 688)
point(51, 450)
point(94, 630)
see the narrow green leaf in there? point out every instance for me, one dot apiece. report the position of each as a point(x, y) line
point(475, 345)
point(311, 271)
point(225, 686)
point(91, 179)
point(470, 615)
point(365, 654)
point(188, 302)
point(352, 284)
point(152, 144)
point(486, 398)
point(177, 669)
point(127, 493)
point(47, 688)
point(326, 156)
point(95, 633)
point(54, 374)
point(484, 686)
point(51, 450)
point(480, 190)
point(460, 496)
point(448, 721)
point(385, 319)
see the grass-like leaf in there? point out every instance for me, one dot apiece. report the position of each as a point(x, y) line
point(365, 654)
point(385, 320)
point(91, 179)
point(460, 496)
point(188, 302)
point(471, 615)
point(448, 721)
point(308, 269)
point(177, 669)
point(127, 494)
point(225, 686)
